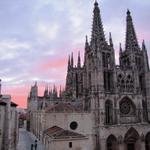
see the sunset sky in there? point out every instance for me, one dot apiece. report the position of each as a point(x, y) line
point(36, 37)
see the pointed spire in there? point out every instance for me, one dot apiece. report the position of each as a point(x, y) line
point(110, 40)
point(120, 48)
point(143, 45)
point(35, 85)
point(86, 43)
point(145, 57)
point(55, 91)
point(79, 60)
point(131, 39)
point(46, 91)
point(60, 92)
point(72, 61)
point(97, 27)
point(69, 62)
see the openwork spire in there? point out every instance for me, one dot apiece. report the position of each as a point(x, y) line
point(97, 27)
point(131, 39)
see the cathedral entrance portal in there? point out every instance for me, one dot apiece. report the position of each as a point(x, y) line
point(147, 142)
point(131, 139)
point(131, 146)
point(112, 143)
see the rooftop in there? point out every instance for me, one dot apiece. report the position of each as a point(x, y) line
point(56, 132)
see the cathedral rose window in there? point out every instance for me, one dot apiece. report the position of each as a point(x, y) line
point(125, 108)
point(73, 125)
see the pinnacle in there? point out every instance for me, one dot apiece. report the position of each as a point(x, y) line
point(128, 12)
point(96, 3)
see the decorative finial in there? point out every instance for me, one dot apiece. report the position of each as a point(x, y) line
point(128, 12)
point(96, 3)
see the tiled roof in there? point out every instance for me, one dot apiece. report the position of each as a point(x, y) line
point(62, 107)
point(2, 102)
point(14, 104)
point(59, 133)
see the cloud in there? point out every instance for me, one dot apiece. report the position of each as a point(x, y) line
point(36, 36)
point(47, 32)
point(12, 47)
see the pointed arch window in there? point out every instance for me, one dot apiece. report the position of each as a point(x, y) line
point(109, 112)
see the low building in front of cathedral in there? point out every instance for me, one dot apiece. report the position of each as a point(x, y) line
point(104, 106)
point(8, 123)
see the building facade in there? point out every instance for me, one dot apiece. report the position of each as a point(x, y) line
point(116, 98)
point(8, 123)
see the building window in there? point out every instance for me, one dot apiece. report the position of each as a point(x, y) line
point(70, 144)
point(109, 112)
point(73, 125)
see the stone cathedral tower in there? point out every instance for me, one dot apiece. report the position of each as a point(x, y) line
point(117, 95)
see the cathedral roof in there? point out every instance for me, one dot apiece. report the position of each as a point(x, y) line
point(56, 132)
point(62, 107)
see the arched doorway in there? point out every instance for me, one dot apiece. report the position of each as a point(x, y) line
point(147, 141)
point(112, 143)
point(131, 138)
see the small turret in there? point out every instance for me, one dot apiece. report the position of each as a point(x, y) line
point(34, 91)
point(46, 94)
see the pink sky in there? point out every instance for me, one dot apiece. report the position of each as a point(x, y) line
point(36, 38)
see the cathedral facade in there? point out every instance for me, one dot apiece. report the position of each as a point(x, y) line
point(114, 99)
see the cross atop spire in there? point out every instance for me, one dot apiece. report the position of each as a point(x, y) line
point(131, 39)
point(97, 27)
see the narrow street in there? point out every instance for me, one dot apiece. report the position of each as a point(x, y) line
point(26, 139)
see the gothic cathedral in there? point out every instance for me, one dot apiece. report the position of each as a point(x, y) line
point(116, 96)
